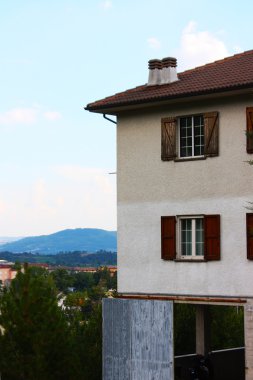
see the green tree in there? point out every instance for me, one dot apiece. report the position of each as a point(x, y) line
point(184, 328)
point(34, 336)
point(16, 266)
point(227, 327)
point(83, 280)
point(88, 342)
point(63, 280)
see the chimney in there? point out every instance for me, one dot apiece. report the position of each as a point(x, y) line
point(162, 71)
point(155, 68)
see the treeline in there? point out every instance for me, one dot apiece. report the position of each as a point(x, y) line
point(51, 326)
point(76, 258)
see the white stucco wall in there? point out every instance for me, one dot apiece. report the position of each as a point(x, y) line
point(149, 188)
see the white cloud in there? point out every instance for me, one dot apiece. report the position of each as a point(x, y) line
point(154, 43)
point(106, 4)
point(52, 115)
point(41, 197)
point(75, 197)
point(237, 49)
point(19, 116)
point(199, 47)
point(27, 115)
point(3, 206)
point(89, 177)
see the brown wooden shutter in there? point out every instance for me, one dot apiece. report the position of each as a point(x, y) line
point(169, 131)
point(249, 131)
point(211, 133)
point(249, 223)
point(212, 237)
point(168, 235)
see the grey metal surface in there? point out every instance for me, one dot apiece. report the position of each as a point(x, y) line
point(137, 339)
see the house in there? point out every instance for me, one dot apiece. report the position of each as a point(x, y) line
point(185, 227)
point(7, 273)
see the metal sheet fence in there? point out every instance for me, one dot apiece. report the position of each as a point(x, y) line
point(137, 339)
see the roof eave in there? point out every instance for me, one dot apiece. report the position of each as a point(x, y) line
point(115, 109)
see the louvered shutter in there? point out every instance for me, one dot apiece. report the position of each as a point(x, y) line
point(212, 237)
point(168, 237)
point(169, 130)
point(211, 134)
point(249, 131)
point(249, 222)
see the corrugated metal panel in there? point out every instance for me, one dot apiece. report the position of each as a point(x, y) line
point(137, 339)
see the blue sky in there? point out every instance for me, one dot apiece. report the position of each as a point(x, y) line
point(55, 57)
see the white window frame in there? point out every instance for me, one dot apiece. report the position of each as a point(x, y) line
point(193, 256)
point(179, 138)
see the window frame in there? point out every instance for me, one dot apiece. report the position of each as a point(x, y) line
point(193, 256)
point(193, 156)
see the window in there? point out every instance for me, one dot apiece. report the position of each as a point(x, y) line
point(190, 136)
point(190, 237)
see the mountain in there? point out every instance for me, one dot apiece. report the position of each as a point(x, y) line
point(79, 239)
point(6, 239)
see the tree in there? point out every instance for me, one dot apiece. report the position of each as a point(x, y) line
point(89, 345)
point(63, 280)
point(34, 335)
point(227, 327)
point(83, 280)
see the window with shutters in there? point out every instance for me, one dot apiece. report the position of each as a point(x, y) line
point(190, 237)
point(193, 136)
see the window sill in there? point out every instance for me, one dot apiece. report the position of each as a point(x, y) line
point(190, 260)
point(190, 158)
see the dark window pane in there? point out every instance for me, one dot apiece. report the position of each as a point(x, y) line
point(199, 236)
point(198, 120)
point(182, 122)
point(198, 136)
point(185, 137)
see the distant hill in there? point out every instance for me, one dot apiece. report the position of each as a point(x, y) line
point(79, 239)
point(6, 239)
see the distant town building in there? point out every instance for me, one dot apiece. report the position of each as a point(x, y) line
point(7, 273)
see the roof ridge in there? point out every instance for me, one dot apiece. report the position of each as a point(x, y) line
point(219, 61)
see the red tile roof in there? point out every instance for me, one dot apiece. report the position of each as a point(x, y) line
point(232, 73)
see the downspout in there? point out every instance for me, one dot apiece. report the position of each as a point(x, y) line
point(107, 118)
